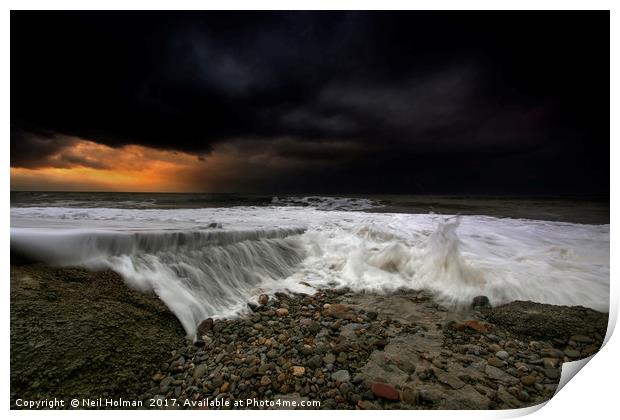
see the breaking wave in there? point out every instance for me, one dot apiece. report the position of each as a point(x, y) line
point(211, 262)
point(197, 274)
point(326, 203)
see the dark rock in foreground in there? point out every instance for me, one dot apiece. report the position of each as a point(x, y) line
point(547, 322)
point(78, 334)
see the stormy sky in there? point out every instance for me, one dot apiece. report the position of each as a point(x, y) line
point(322, 102)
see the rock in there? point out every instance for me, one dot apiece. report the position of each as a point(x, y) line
point(253, 306)
point(476, 325)
point(282, 312)
point(166, 382)
point(550, 362)
point(314, 328)
point(480, 302)
point(429, 396)
point(385, 391)
point(354, 398)
point(586, 351)
point(248, 373)
point(523, 396)
point(306, 350)
point(555, 353)
point(529, 380)
point(410, 396)
point(581, 339)
point(298, 370)
point(338, 310)
point(282, 377)
point(218, 326)
point(345, 388)
point(199, 371)
point(522, 367)
point(494, 361)
point(329, 358)
point(179, 362)
point(502, 354)
point(335, 326)
point(304, 322)
point(217, 381)
point(537, 321)
point(225, 387)
point(199, 343)
point(205, 326)
point(371, 315)
point(263, 299)
point(265, 381)
point(315, 362)
point(341, 376)
point(449, 379)
point(552, 373)
point(572, 353)
point(499, 375)
point(494, 348)
point(504, 396)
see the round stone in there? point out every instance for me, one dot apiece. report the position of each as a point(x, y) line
point(502, 354)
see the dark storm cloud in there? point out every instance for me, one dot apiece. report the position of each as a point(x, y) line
point(393, 102)
point(32, 148)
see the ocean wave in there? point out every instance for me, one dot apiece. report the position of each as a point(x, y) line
point(197, 274)
point(201, 271)
point(326, 203)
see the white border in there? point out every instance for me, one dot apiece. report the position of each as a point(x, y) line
point(592, 394)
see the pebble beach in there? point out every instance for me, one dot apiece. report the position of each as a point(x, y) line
point(336, 349)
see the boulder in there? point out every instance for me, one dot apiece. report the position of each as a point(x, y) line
point(480, 302)
point(538, 321)
point(205, 326)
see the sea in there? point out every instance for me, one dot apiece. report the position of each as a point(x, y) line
point(208, 255)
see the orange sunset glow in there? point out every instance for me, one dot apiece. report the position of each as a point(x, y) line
point(86, 165)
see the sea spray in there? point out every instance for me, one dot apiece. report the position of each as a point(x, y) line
point(210, 262)
point(197, 274)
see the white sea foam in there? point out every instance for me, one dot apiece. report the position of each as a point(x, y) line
point(326, 203)
point(210, 262)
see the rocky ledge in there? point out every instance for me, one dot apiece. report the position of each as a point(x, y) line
point(369, 351)
point(79, 334)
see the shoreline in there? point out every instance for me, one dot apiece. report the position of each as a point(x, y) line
point(78, 332)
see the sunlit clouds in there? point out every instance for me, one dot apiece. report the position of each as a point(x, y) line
point(233, 166)
point(85, 165)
